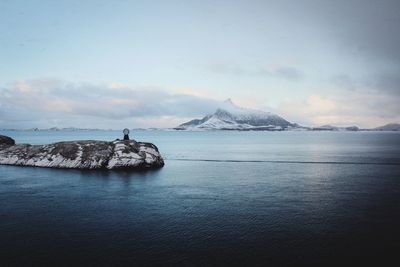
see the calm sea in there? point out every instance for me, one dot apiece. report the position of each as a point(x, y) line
point(222, 199)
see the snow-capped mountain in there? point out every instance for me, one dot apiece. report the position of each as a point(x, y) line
point(232, 117)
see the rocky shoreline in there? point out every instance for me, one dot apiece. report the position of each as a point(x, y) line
point(83, 154)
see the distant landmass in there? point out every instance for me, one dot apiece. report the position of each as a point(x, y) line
point(334, 128)
point(232, 117)
point(75, 129)
point(229, 116)
point(388, 127)
point(71, 129)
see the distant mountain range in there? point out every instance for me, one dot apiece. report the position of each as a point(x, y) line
point(229, 116)
point(232, 117)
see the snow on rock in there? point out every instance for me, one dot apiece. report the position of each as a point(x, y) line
point(87, 154)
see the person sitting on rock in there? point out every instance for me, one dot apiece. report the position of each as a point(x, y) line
point(126, 134)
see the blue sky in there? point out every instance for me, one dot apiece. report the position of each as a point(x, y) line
point(158, 63)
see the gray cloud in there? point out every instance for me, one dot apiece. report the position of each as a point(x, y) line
point(282, 72)
point(48, 103)
point(52, 100)
point(385, 82)
point(369, 28)
point(289, 73)
point(343, 81)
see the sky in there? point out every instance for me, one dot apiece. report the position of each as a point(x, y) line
point(116, 64)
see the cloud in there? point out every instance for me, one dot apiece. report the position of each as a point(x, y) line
point(388, 82)
point(343, 81)
point(367, 28)
point(54, 99)
point(288, 73)
point(385, 82)
point(365, 109)
point(373, 29)
point(48, 103)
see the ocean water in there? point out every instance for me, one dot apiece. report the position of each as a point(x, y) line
point(222, 199)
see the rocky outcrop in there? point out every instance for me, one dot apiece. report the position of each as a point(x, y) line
point(87, 154)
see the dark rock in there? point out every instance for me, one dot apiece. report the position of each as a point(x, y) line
point(6, 141)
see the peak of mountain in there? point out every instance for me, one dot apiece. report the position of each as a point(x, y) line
point(229, 101)
point(229, 116)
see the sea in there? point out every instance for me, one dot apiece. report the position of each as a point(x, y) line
point(223, 198)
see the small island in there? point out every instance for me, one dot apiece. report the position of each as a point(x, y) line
point(84, 154)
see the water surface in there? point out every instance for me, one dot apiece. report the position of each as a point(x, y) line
point(223, 198)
